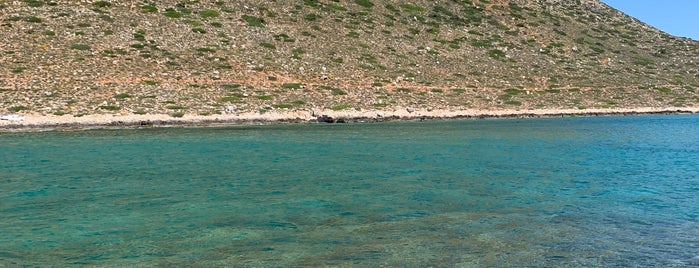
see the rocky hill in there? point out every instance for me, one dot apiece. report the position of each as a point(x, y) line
point(210, 57)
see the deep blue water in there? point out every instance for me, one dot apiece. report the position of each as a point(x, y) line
point(576, 192)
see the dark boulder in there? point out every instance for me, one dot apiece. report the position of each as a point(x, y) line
point(325, 119)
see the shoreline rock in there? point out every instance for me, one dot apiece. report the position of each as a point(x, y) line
point(12, 117)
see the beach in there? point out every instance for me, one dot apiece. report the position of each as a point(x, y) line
point(37, 122)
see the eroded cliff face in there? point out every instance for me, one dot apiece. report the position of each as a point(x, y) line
point(84, 57)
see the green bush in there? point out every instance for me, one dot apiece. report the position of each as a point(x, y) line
point(334, 90)
point(110, 108)
point(513, 91)
point(496, 54)
point(140, 35)
point(150, 8)
point(642, 61)
point(412, 8)
point(364, 3)
point(198, 30)
point(34, 3)
point(664, 89)
point(311, 3)
point(229, 99)
point(297, 53)
point(392, 8)
point(32, 19)
point(149, 83)
point(80, 47)
point(122, 96)
point(209, 14)
point(481, 43)
point(336, 7)
point(291, 85)
point(106, 18)
point(231, 86)
point(254, 21)
point(268, 45)
point(339, 107)
point(101, 4)
point(15, 109)
point(443, 10)
point(171, 13)
point(312, 17)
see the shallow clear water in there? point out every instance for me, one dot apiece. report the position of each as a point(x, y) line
point(606, 191)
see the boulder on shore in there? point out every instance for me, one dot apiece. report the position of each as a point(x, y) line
point(12, 117)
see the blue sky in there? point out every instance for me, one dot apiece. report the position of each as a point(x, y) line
point(676, 17)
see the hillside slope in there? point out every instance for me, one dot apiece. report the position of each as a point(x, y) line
point(200, 57)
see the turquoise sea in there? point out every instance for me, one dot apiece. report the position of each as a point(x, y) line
point(557, 192)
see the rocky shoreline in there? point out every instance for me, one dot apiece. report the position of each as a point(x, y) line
point(30, 122)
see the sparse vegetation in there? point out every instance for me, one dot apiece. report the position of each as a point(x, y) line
point(339, 107)
point(291, 85)
point(364, 3)
point(150, 8)
point(254, 21)
point(412, 8)
point(122, 96)
point(80, 46)
point(110, 107)
point(268, 45)
point(172, 13)
point(334, 90)
point(205, 14)
point(496, 54)
point(15, 109)
point(32, 19)
point(101, 4)
point(34, 3)
point(365, 54)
